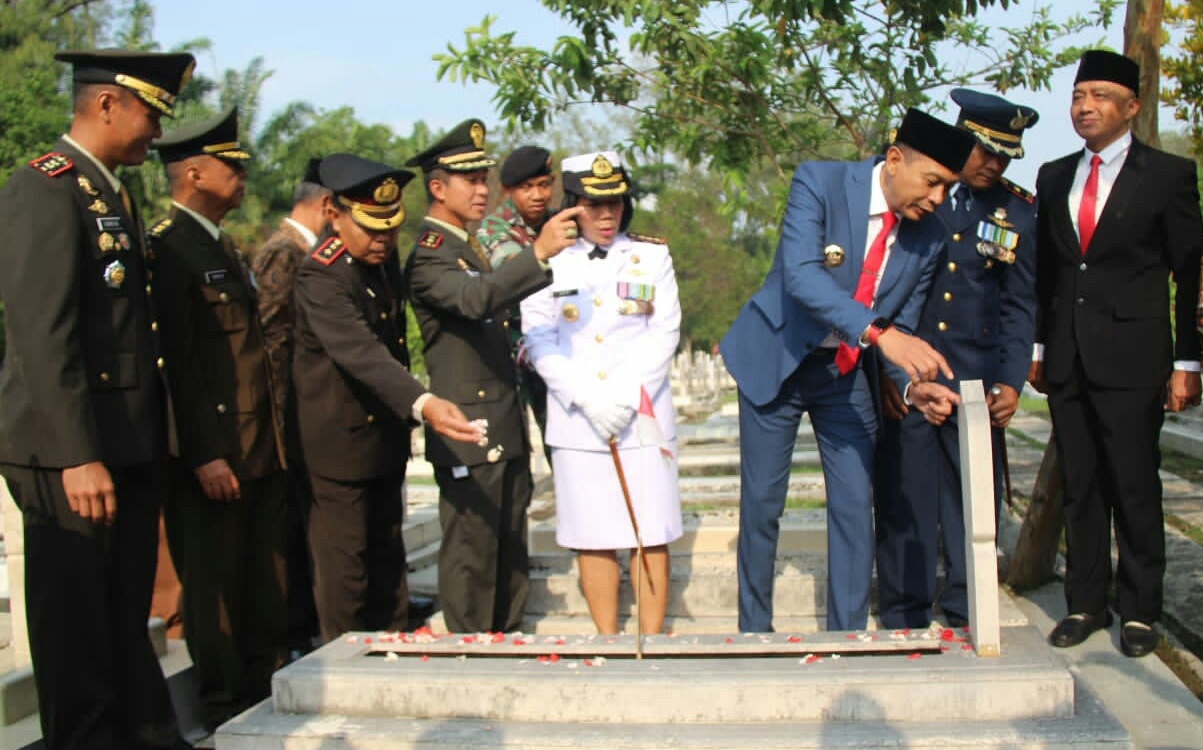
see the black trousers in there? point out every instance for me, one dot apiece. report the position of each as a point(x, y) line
point(87, 590)
point(1108, 440)
point(484, 570)
point(359, 570)
point(230, 560)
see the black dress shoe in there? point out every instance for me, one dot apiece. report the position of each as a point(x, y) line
point(1077, 627)
point(1137, 639)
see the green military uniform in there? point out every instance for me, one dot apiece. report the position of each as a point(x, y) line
point(503, 234)
point(460, 302)
point(233, 603)
point(81, 384)
point(355, 403)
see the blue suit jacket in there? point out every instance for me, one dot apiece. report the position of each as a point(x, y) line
point(802, 299)
point(980, 313)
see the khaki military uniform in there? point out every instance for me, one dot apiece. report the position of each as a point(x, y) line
point(460, 302)
point(355, 398)
point(233, 602)
point(80, 383)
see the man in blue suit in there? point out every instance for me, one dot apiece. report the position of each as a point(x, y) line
point(848, 279)
point(981, 315)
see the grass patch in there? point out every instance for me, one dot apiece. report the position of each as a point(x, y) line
point(1024, 438)
point(1033, 405)
point(1190, 530)
point(791, 503)
point(1187, 467)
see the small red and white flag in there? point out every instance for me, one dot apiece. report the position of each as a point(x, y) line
point(647, 427)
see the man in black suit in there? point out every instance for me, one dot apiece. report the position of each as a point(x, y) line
point(460, 302)
point(83, 429)
point(357, 401)
point(1117, 221)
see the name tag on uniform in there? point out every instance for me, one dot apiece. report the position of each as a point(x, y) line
point(212, 277)
point(565, 293)
point(109, 223)
point(459, 472)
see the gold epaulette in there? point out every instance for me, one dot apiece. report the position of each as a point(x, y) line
point(1019, 192)
point(52, 164)
point(161, 228)
point(328, 252)
point(651, 238)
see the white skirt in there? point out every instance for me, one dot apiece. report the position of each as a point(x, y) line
point(590, 511)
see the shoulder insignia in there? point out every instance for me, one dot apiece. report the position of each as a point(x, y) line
point(328, 252)
point(161, 228)
point(650, 238)
point(430, 239)
point(52, 164)
point(1022, 193)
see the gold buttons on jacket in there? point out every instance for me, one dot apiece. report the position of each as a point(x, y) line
point(599, 338)
point(104, 377)
point(481, 393)
point(154, 326)
point(371, 418)
point(222, 409)
point(160, 363)
point(601, 376)
point(384, 316)
point(148, 289)
point(956, 236)
point(224, 297)
point(952, 267)
point(401, 341)
point(597, 302)
point(948, 296)
point(943, 326)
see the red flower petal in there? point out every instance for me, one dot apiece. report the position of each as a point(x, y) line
point(851, 636)
point(554, 658)
point(794, 639)
point(730, 640)
point(367, 640)
point(913, 656)
point(425, 657)
point(498, 638)
point(947, 634)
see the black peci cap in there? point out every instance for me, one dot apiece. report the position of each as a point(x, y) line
point(460, 150)
point(997, 123)
point(1101, 65)
point(948, 145)
point(156, 78)
point(524, 163)
point(215, 136)
point(311, 170)
point(369, 189)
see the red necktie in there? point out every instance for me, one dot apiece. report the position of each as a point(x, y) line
point(846, 357)
point(1090, 196)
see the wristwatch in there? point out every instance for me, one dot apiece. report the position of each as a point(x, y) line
point(876, 328)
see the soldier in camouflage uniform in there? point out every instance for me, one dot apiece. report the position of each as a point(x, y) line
point(526, 181)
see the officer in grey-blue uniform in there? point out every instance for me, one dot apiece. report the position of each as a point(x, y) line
point(980, 314)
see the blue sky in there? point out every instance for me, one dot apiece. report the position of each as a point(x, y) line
point(375, 56)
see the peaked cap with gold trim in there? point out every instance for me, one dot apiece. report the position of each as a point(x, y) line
point(996, 123)
point(371, 191)
point(599, 174)
point(154, 77)
point(215, 136)
point(460, 150)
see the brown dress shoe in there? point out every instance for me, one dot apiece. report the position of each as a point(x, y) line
point(1077, 627)
point(1137, 639)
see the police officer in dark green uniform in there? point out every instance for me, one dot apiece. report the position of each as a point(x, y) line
point(460, 302)
point(357, 401)
point(82, 408)
point(226, 513)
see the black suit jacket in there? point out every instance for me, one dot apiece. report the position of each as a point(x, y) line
point(217, 364)
point(1111, 307)
point(80, 380)
point(350, 367)
point(460, 303)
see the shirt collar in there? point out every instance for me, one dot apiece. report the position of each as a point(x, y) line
point(1111, 151)
point(455, 231)
point(877, 196)
point(303, 230)
point(105, 171)
point(213, 230)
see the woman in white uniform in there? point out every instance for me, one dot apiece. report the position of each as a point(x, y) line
point(602, 336)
